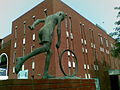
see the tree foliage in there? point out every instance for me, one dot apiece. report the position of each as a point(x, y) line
point(116, 34)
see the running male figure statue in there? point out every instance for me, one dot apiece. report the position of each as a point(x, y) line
point(45, 37)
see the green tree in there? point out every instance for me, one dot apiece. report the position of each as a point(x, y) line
point(116, 34)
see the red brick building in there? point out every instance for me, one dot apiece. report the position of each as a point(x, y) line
point(90, 43)
point(5, 48)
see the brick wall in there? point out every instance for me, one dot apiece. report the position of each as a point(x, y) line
point(48, 84)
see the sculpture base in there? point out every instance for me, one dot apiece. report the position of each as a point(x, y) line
point(47, 84)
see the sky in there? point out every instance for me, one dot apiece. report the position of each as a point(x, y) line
point(99, 12)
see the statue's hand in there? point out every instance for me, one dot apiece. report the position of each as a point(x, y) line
point(58, 44)
point(31, 27)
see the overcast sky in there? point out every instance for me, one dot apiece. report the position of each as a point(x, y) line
point(97, 11)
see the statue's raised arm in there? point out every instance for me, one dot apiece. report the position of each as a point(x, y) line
point(32, 27)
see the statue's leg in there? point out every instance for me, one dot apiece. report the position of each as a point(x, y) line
point(47, 64)
point(21, 60)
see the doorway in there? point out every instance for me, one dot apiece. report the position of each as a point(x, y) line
point(114, 81)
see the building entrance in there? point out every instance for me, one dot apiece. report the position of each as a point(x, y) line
point(114, 81)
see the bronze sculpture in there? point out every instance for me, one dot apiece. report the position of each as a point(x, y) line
point(45, 37)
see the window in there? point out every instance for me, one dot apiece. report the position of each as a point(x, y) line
point(23, 67)
point(14, 56)
point(67, 44)
point(89, 76)
point(85, 66)
point(86, 50)
point(23, 41)
point(67, 34)
point(23, 51)
point(82, 41)
point(33, 17)
point(88, 67)
point(73, 64)
point(24, 27)
point(2, 43)
point(34, 37)
point(95, 67)
point(16, 32)
point(15, 45)
point(31, 48)
point(71, 35)
point(69, 64)
point(13, 69)
point(85, 42)
point(83, 50)
point(72, 55)
point(86, 76)
point(68, 53)
point(101, 39)
point(33, 65)
point(101, 49)
point(106, 42)
point(92, 45)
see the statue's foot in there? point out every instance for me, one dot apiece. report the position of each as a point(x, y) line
point(48, 76)
point(18, 64)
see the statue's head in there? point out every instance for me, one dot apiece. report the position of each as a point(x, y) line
point(62, 15)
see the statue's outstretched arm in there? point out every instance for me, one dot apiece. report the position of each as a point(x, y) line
point(32, 27)
point(59, 34)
